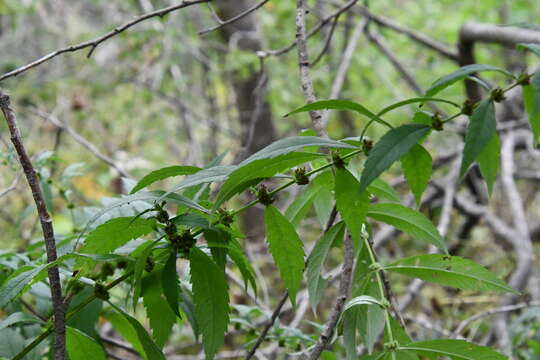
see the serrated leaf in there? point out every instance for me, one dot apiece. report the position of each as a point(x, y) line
point(151, 350)
point(451, 271)
point(80, 346)
point(417, 167)
point(259, 169)
point(489, 161)
point(351, 203)
point(409, 221)
point(190, 220)
point(116, 232)
point(244, 265)
point(300, 206)
point(15, 284)
point(294, 143)
point(162, 174)
point(531, 98)
point(392, 146)
point(460, 74)
point(286, 248)
point(209, 175)
point(18, 318)
point(170, 284)
point(535, 48)
point(454, 349)
point(316, 260)
point(481, 128)
point(123, 327)
point(371, 319)
point(211, 297)
point(159, 314)
point(189, 309)
point(383, 191)
point(324, 198)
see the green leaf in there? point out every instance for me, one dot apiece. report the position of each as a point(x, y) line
point(211, 297)
point(409, 221)
point(383, 191)
point(451, 271)
point(116, 232)
point(18, 318)
point(151, 350)
point(138, 270)
point(300, 206)
point(350, 323)
point(159, 314)
point(259, 169)
point(371, 319)
point(80, 346)
point(170, 284)
point(454, 349)
point(417, 168)
point(323, 202)
point(535, 48)
point(294, 143)
point(122, 326)
point(316, 261)
point(481, 128)
point(413, 101)
point(361, 300)
point(211, 174)
point(286, 248)
point(15, 284)
point(190, 220)
point(489, 161)
point(334, 105)
point(392, 146)
point(531, 98)
point(244, 265)
point(351, 203)
point(460, 74)
point(163, 173)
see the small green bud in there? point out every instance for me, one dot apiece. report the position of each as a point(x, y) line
point(339, 163)
point(101, 291)
point(264, 196)
point(467, 108)
point(497, 95)
point(436, 122)
point(367, 145)
point(300, 176)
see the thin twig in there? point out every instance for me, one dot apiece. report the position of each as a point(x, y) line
point(245, 13)
point(46, 226)
point(81, 140)
point(93, 44)
point(10, 188)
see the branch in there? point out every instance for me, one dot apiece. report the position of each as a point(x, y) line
point(235, 18)
point(303, 62)
point(83, 141)
point(10, 188)
point(46, 226)
point(93, 44)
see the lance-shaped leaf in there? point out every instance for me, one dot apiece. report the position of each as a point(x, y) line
point(460, 74)
point(391, 147)
point(170, 284)
point(453, 349)
point(535, 48)
point(316, 261)
point(286, 248)
point(208, 175)
point(481, 128)
point(489, 161)
point(451, 271)
point(294, 143)
point(259, 169)
point(417, 168)
point(116, 232)
point(150, 348)
point(159, 314)
point(531, 98)
point(244, 265)
point(80, 346)
point(19, 281)
point(18, 318)
point(382, 190)
point(163, 173)
point(351, 203)
point(211, 297)
point(334, 105)
point(409, 221)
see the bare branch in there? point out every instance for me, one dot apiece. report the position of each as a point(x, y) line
point(303, 62)
point(93, 44)
point(46, 226)
point(234, 19)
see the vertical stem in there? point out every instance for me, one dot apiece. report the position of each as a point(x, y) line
point(46, 226)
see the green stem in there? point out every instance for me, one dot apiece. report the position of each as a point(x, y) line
point(115, 282)
point(373, 260)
